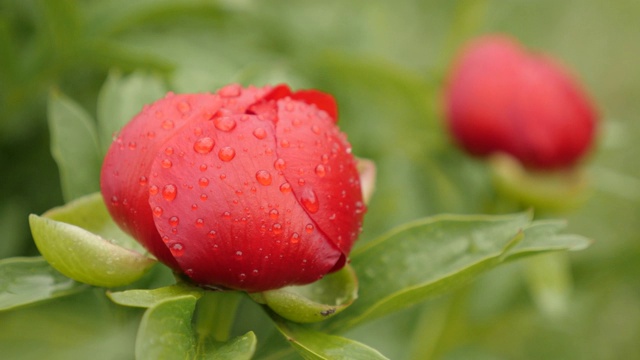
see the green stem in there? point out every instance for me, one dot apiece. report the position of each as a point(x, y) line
point(215, 315)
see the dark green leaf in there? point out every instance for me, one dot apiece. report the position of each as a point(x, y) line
point(314, 345)
point(29, 280)
point(74, 146)
point(430, 256)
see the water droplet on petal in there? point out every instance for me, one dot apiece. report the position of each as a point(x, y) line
point(285, 143)
point(232, 90)
point(226, 215)
point(295, 238)
point(169, 192)
point(224, 123)
point(203, 182)
point(153, 190)
point(280, 164)
point(176, 249)
point(320, 170)
point(309, 200)
point(168, 151)
point(277, 228)
point(227, 153)
point(263, 177)
point(157, 211)
point(203, 167)
point(238, 255)
point(212, 234)
point(285, 188)
point(166, 163)
point(315, 129)
point(260, 133)
point(115, 201)
point(309, 228)
point(273, 214)
point(204, 197)
point(132, 145)
point(324, 158)
point(174, 221)
point(255, 272)
point(199, 222)
point(167, 124)
point(183, 107)
point(204, 145)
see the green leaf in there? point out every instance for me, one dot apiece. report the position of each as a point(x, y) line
point(74, 146)
point(29, 280)
point(64, 238)
point(314, 302)
point(166, 333)
point(121, 98)
point(315, 345)
point(148, 298)
point(430, 256)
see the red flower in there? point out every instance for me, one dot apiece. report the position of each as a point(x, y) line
point(502, 99)
point(250, 189)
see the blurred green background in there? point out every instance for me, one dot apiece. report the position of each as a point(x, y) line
point(385, 62)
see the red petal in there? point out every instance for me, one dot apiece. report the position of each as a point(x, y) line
point(229, 224)
point(321, 170)
point(321, 100)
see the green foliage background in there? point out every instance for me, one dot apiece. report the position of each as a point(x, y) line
point(385, 62)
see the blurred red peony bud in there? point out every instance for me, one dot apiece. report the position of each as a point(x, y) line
point(250, 189)
point(501, 99)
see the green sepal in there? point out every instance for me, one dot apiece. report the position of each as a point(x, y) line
point(79, 240)
point(313, 302)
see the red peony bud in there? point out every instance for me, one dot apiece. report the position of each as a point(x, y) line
point(251, 189)
point(501, 99)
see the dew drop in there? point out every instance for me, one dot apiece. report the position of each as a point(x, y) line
point(255, 272)
point(132, 145)
point(153, 190)
point(194, 207)
point(285, 143)
point(203, 167)
point(226, 215)
point(324, 158)
point(315, 129)
point(169, 192)
point(232, 90)
point(176, 249)
point(183, 107)
point(203, 182)
point(274, 214)
point(224, 123)
point(260, 133)
point(212, 234)
point(238, 255)
point(174, 221)
point(167, 125)
point(301, 181)
point(280, 164)
point(115, 201)
point(295, 238)
point(199, 223)
point(320, 170)
point(204, 197)
point(168, 151)
point(263, 177)
point(285, 188)
point(309, 228)
point(165, 239)
point(227, 153)
point(157, 211)
point(204, 145)
point(223, 176)
point(143, 181)
point(277, 228)
point(166, 163)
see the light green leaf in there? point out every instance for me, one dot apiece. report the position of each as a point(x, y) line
point(430, 256)
point(74, 146)
point(314, 345)
point(148, 298)
point(314, 302)
point(29, 280)
point(75, 240)
point(121, 98)
point(166, 332)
